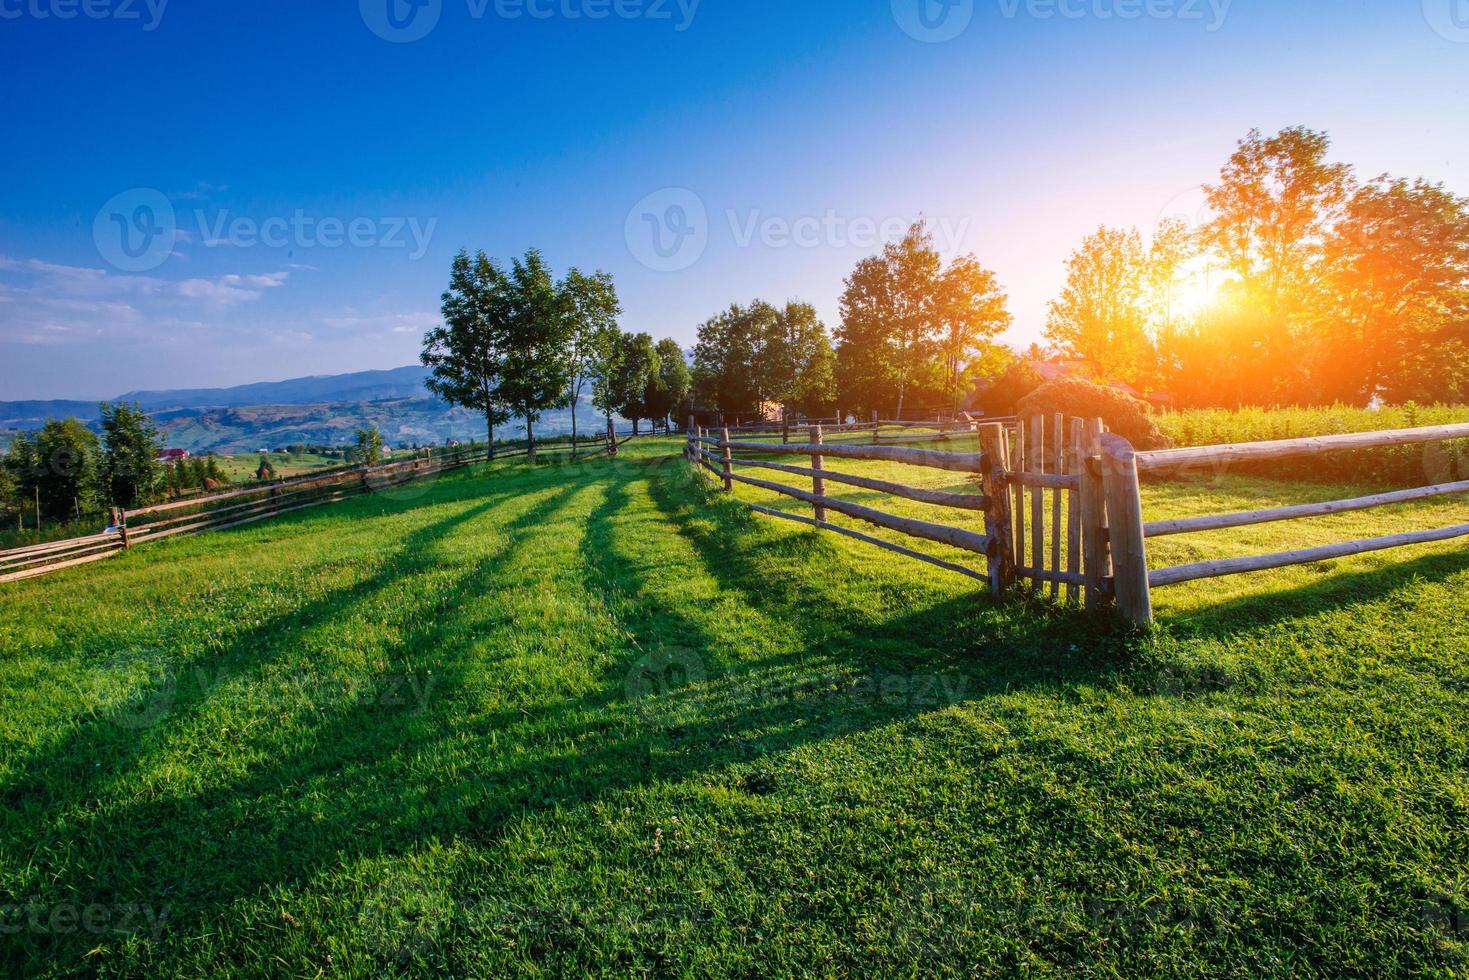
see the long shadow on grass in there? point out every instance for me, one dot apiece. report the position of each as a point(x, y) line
point(1246, 614)
point(197, 853)
point(356, 786)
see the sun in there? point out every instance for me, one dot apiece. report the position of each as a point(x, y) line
point(1198, 289)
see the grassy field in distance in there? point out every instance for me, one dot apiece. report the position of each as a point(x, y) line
point(594, 719)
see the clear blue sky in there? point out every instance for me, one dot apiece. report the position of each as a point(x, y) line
point(1037, 121)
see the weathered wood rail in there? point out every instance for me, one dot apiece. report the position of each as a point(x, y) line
point(234, 508)
point(1061, 500)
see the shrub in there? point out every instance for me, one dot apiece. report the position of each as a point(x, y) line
point(1123, 414)
point(1394, 465)
point(1006, 389)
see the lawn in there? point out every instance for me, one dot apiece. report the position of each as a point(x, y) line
point(595, 719)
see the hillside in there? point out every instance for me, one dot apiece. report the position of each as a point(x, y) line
point(360, 386)
point(595, 720)
point(314, 411)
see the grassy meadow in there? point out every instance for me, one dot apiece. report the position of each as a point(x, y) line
point(597, 719)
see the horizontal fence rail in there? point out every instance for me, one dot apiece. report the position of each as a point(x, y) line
point(717, 455)
point(1134, 580)
point(234, 508)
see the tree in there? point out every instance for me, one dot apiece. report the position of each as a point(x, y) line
point(538, 365)
point(129, 466)
point(467, 353)
point(1274, 206)
point(266, 469)
point(1399, 261)
point(796, 358)
point(635, 377)
point(671, 383)
point(593, 308)
point(367, 449)
point(971, 310)
point(889, 318)
point(1101, 315)
point(58, 464)
point(605, 373)
point(730, 367)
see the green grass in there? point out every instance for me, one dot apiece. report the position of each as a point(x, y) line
point(241, 467)
point(595, 719)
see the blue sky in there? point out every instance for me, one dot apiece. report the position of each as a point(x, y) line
point(320, 177)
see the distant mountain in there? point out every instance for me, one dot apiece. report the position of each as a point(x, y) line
point(320, 410)
point(404, 382)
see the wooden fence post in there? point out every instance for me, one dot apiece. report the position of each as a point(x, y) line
point(1058, 466)
point(818, 463)
point(1073, 468)
point(785, 426)
point(1125, 519)
point(1035, 458)
point(994, 463)
point(726, 456)
point(1095, 562)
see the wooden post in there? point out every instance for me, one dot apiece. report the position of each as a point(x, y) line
point(1021, 464)
point(38, 510)
point(875, 427)
point(1058, 466)
point(994, 463)
point(1096, 566)
point(692, 451)
point(785, 426)
point(1125, 518)
point(818, 463)
point(726, 456)
point(1074, 458)
point(1036, 457)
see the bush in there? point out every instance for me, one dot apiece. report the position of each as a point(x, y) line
point(1123, 414)
point(1407, 466)
point(1007, 388)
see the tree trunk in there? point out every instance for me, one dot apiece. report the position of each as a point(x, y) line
point(530, 439)
point(575, 398)
point(902, 385)
point(490, 430)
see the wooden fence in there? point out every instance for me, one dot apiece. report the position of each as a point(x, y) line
point(259, 502)
point(1061, 500)
point(234, 508)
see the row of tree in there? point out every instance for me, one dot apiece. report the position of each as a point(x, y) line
point(70, 471)
point(1304, 285)
point(517, 343)
point(914, 331)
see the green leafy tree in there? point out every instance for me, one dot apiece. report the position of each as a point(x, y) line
point(538, 364)
point(606, 373)
point(635, 376)
point(467, 354)
point(672, 382)
point(367, 449)
point(731, 370)
point(129, 465)
point(58, 463)
point(889, 330)
point(266, 469)
point(593, 308)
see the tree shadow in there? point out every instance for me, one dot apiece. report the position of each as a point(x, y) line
point(1335, 590)
point(352, 789)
